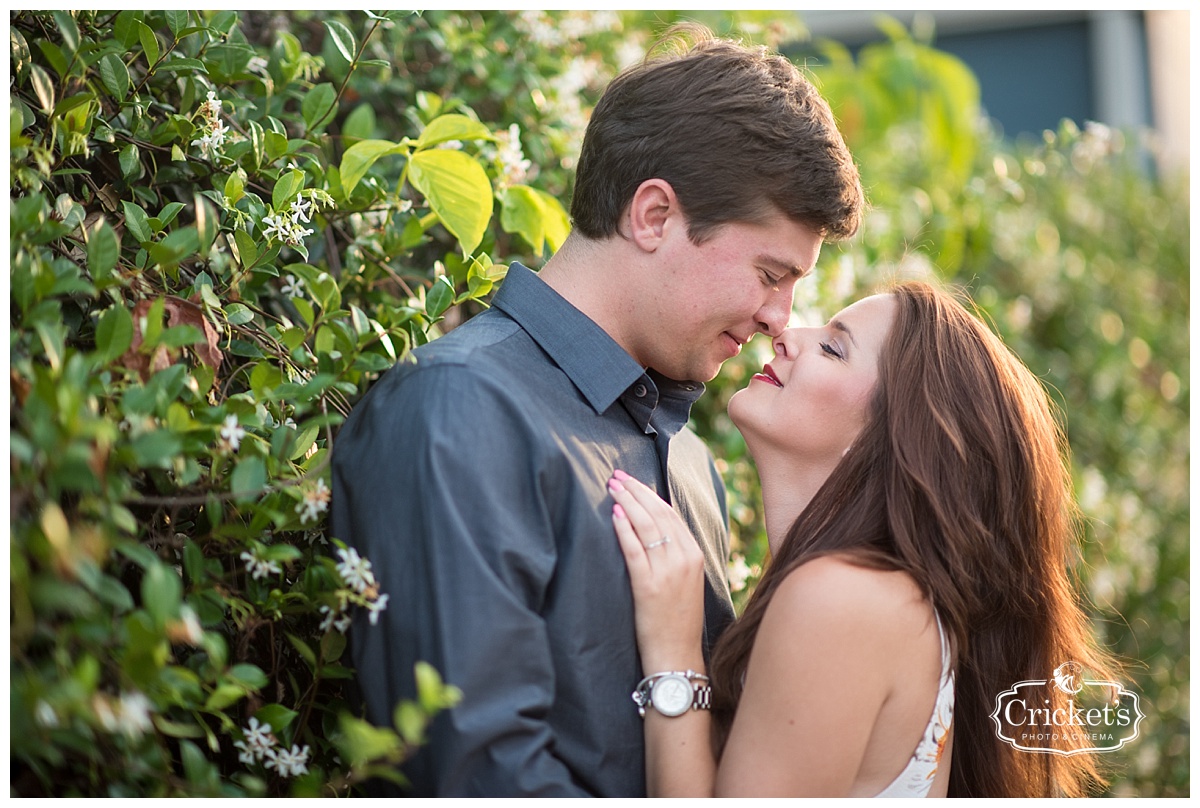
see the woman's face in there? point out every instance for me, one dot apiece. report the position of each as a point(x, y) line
point(810, 402)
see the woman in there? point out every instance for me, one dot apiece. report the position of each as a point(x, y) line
point(919, 515)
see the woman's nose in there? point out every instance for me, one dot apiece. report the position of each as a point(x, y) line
point(786, 344)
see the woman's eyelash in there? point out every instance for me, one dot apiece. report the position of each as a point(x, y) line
point(831, 350)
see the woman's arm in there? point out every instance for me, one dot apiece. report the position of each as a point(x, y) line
point(666, 572)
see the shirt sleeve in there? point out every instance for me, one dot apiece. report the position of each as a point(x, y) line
point(439, 481)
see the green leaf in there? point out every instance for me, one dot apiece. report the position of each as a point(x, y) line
point(170, 210)
point(360, 742)
point(248, 478)
point(176, 20)
point(318, 106)
point(21, 56)
point(275, 146)
point(431, 692)
point(343, 39)
point(522, 212)
point(68, 29)
point(304, 650)
point(249, 676)
point(360, 157)
point(410, 720)
point(114, 334)
point(237, 314)
point(130, 163)
point(235, 188)
point(156, 449)
point(149, 43)
point(276, 716)
point(286, 188)
point(246, 247)
point(115, 76)
point(439, 297)
point(136, 221)
point(207, 222)
point(125, 27)
point(161, 593)
point(224, 696)
point(452, 127)
point(555, 219)
point(458, 191)
point(43, 87)
point(103, 251)
point(176, 64)
point(360, 124)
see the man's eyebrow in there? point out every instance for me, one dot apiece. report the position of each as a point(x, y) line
point(782, 266)
point(838, 325)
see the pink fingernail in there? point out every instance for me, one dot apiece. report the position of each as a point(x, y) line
point(619, 512)
point(615, 486)
point(620, 475)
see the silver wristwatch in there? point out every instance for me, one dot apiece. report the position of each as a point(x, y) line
point(673, 693)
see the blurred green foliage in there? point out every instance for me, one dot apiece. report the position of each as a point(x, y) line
point(1077, 253)
point(183, 350)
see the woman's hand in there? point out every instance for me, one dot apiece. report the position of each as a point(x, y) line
point(666, 570)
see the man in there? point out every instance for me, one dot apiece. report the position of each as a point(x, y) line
point(475, 478)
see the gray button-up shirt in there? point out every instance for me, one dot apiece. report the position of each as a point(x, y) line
point(474, 479)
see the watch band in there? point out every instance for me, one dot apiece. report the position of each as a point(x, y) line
point(701, 693)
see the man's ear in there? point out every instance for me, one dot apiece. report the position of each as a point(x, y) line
point(652, 211)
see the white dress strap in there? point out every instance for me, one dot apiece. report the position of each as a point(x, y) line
point(917, 777)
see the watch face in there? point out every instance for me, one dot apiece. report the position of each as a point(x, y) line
point(672, 695)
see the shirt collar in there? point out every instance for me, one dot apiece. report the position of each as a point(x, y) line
point(600, 368)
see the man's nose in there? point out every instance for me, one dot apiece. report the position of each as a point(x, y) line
point(774, 315)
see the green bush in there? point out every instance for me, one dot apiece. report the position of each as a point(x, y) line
point(224, 226)
point(214, 252)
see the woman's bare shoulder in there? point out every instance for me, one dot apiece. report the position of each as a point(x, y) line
point(845, 596)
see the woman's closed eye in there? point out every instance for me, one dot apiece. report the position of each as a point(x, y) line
point(832, 349)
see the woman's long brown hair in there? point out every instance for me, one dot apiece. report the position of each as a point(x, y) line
point(961, 479)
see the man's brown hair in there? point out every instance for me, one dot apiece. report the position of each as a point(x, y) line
point(735, 130)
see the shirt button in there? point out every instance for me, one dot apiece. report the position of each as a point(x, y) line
point(640, 391)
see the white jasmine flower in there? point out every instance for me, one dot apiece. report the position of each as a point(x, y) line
point(291, 166)
point(259, 567)
point(343, 623)
point(205, 143)
point(133, 714)
point(288, 762)
point(450, 144)
point(327, 621)
point(739, 572)
point(104, 713)
point(217, 135)
point(187, 628)
point(231, 433)
point(258, 736)
point(301, 208)
point(377, 606)
point(513, 164)
point(274, 226)
point(45, 715)
point(315, 502)
point(292, 286)
point(245, 753)
point(355, 570)
point(212, 106)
